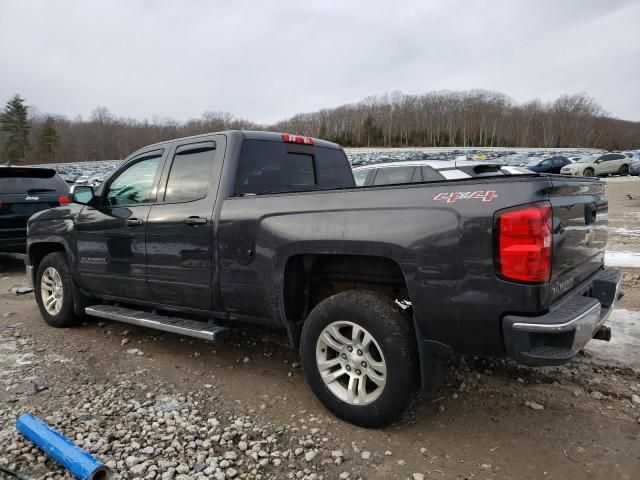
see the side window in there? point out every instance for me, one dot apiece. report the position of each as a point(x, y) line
point(430, 174)
point(393, 175)
point(606, 158)
point(190, 173)
point(617, 156)
point(135, 184)
point(360, 176)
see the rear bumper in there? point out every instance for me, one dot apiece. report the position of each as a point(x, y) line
point(556, 337)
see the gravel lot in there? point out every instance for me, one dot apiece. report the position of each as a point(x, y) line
point(155, 405)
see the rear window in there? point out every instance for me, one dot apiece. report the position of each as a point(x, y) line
point(31, 180)
point(274, 167)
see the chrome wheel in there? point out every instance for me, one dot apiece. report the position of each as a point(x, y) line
point(51, 291)
point(351, 363)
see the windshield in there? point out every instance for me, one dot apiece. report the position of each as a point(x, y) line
point(585, 160)
point(534, 163)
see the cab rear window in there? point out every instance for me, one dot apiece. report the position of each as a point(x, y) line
point(30, 180)
point(274, 167)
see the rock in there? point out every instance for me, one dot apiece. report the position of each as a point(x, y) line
point(337, 453)
point(635, 399)
point(365, 455)
point(134, 351)
point(231, 472)
point(441, 408)
point(310, 455)
point(485, 466)
point(124, 341)
point(246, 360)
point(20, 289)
point(131, 461)
point(534, 405)
point(417, 476)
point(388, 453)
point(344, 476)
point(597, 395)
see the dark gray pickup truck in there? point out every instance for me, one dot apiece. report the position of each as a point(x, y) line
point(377, 285)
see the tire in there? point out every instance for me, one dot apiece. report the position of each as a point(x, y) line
point(624, 170)
point(588, 172)
point(54, 291)
point(393, 346)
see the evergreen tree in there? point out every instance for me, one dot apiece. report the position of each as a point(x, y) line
point(14, 122)
point(49, 137)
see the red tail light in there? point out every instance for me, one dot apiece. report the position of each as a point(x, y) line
point(64, 200)
point(524, 244)
point(289, 138)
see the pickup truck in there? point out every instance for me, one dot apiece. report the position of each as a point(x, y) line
point(377, 285)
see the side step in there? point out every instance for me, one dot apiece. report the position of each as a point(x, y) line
point(190, 328)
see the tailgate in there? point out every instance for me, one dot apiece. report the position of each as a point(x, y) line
point(15, 209)
point(580, 230)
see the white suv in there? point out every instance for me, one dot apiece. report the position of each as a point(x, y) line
point(606, 164)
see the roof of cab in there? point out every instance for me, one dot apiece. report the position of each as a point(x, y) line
point(249, 135)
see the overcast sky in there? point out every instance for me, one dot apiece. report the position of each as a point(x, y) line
point(267, 60)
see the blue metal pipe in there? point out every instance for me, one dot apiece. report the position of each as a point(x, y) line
point(81, 464)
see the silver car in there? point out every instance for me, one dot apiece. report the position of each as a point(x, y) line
point(597, 165)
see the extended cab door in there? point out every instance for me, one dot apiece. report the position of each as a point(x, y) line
point(181, 253)
point(110, 234)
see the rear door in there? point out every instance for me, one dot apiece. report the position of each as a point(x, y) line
point(111, 234)
point(180, 235)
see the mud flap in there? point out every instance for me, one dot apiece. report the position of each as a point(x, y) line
point(433, 358)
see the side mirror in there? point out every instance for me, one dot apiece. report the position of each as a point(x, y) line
point(82, 194)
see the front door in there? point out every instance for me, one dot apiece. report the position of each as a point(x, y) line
point(111, 234)
point(180, 234)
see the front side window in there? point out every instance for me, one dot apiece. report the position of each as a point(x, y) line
point(135, 184)
point(190, 173)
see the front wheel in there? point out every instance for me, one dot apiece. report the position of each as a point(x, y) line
point(359, 356)
point(54, 291)
point(589, 172)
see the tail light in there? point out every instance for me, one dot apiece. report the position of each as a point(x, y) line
point(289, 138)
point(523, 247)
point(64, 200)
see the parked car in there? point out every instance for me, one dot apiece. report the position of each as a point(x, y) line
point(396, 173)
point(377, 285)
point(634, 167)
point(597, 165)
point(548, 165)
point(23, 192)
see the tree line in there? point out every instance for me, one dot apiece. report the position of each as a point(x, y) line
point(474, 118)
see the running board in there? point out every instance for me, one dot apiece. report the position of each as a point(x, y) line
point(190, 328)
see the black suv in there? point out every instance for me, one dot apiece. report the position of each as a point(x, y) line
point(23, 192)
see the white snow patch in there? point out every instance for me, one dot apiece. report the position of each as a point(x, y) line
point(622, 259)
point(625, 231)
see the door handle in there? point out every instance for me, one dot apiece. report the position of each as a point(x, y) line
point(194, 220)
point(134, 222)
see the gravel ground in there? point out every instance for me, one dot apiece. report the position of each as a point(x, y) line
point(155, 405)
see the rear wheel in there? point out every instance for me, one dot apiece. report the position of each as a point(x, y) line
point(588, 172)
point(54, 291)
point(624, 170)
point(359, 355)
